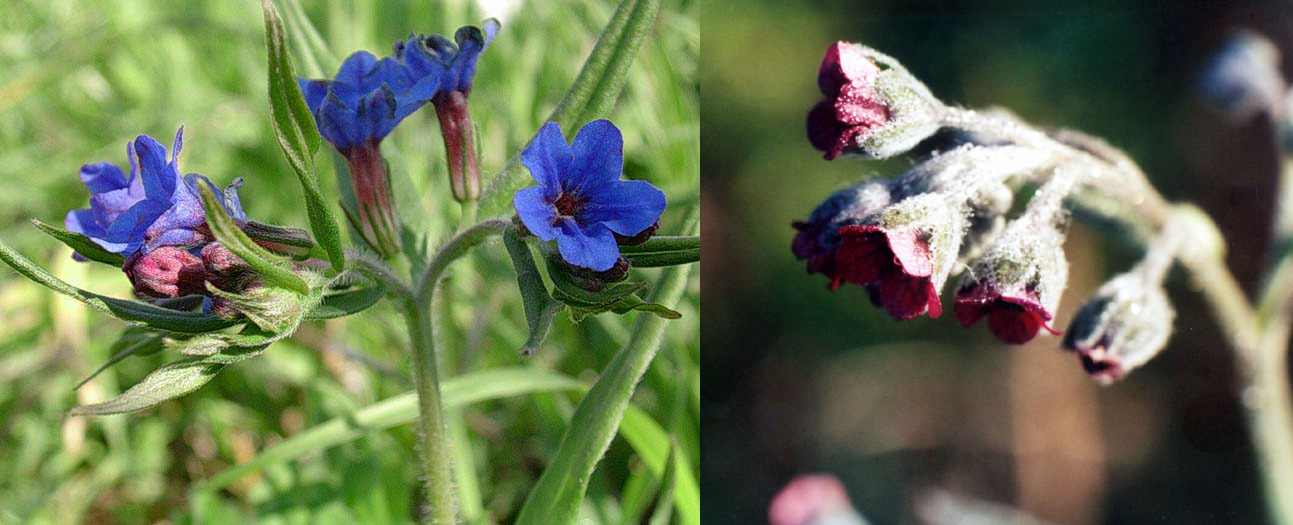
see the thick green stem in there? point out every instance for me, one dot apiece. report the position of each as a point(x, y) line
point(435, 453)
point(453, 250)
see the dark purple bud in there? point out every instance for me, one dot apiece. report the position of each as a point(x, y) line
point(640, 238)
point(167, 272)
point(595, 281)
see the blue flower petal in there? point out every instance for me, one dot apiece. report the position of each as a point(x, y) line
point(626, 207)
point(548, 157)
point(536, 213)
point(129, 227)
point(313, 91)
point(82, 222)
point(102, 177)
point(108, 205)
point(176, 146)
point(599, 157)
point(337, 123)
point(159, 178)
point(591, 247)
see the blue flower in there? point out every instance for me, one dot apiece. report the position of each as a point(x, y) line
point(436, 56)
point(150, 208)
point(580, 200)
point(367, 100)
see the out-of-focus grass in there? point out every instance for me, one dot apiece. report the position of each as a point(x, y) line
point(83, 78)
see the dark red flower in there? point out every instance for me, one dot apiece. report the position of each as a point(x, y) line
point(851, 109)
point(897, 262)
point(817, 239)
point(1013, 316)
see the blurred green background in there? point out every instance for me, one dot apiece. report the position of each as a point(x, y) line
point(82, 78)
point(798, 379)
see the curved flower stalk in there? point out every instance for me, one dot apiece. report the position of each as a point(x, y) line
point(1016, 278)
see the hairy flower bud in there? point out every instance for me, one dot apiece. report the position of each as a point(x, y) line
point(813, 500)
point(873, 107)
point(1122, 326)
point(818, 237)
point(1243, 78)
point(377, 221)
point(591, 280)
point(1017, 283)
point(166, 272)
point(905, 253)
point(225, 270)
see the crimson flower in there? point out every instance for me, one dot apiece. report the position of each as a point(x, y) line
point(851, 110)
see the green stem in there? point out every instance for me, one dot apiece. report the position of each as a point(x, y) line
point(457, 247)
point(436, 470)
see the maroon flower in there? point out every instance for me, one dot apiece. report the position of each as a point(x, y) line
point(167, 272)
point(897, 262)
point(1014, 316)
point(852, 110)
point(818, 237)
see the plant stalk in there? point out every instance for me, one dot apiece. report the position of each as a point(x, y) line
point(437, 473)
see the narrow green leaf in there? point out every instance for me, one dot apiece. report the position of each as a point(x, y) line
point(81, 244)
point(686, 492)
point(271, 267)
point(297, 135)
point(135, 340)
point(658, 259)
point(557, 495)
point(594, 91)
point(346, 303)
point(165, 383)
point(664, 243)
point(458, 392)
point(129, 311)
point(540, 308)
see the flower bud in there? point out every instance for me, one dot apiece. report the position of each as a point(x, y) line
point(818, 239)
point(376, 221)
point(1017, 283)
point(873, 107)
point(591, 280)
point(1124, 324)
point(166, 272)
point(813, 500)
point(1243, 78)
point(641, 237)
point(225, 270)
point(459, 144)
point(905, 253)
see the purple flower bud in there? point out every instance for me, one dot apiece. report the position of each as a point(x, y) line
point(1017, 283)
point(1122, 326)
point(817, 499)
point(873, 106)
point(459, 144)
point(227, 271)
point(905, 254)
point(167, 272)
point(594, 281)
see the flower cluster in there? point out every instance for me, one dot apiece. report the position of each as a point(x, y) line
point(154, 218)
point(369, 97)
point(580, 201)
point(903, 239)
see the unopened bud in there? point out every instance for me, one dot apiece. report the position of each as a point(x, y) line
point(225, 270)
point(376, 221)
point(166, 272)
point(1124, 324)
point(1243, 78)
point(270, 308)
point(459, 144)
point(594, 281)
point(640, 238)
point(873, 107)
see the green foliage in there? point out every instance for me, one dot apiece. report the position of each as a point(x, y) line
point(85, 78)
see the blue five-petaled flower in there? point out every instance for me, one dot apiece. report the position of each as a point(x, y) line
point(152, 207)
point(580, 200)
point(436, 56)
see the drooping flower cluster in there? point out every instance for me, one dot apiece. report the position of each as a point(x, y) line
point(580, 201)
point(369, 97)
point(903, 239)
point(154, 218)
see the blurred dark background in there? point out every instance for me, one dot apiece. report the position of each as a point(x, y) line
point(798, 379)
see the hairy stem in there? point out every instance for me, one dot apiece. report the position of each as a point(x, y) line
point(452, 250)
point(436, 470)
